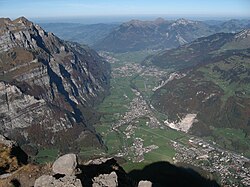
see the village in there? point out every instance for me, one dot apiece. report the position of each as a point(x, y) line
point(209, 157)
point(231, 168)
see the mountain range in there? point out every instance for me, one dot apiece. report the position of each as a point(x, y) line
point(213, 86)
point(138, 35)
point(81, 33)
point(48, 87)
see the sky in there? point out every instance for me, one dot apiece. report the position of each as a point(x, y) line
point(115, 8)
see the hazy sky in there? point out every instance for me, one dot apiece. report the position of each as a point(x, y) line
point(65, 8)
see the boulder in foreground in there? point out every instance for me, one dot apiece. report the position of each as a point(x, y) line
point(65, 165)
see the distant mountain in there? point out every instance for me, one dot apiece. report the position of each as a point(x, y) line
point(233, 26)
point(161, 34)
point(48, 87)
point(190, 54)
point(213, 22)
point(83, 34)
point(213, 86)
point(138, 35)
point(200, 51)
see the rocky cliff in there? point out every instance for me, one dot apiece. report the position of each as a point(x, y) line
point(48, 87)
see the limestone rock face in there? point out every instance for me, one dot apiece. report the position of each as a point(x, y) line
point(18, 109)
point(47, 85)
point(68, 181)
point(6, 142)
point(145, 184)
point(103, 180)
point(44, 180)
point(65, 165)
point(49, 181)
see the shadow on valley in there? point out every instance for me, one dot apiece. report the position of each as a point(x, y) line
point(161, 174)
point(165, 174)
point(22, 157)
point(106, 167)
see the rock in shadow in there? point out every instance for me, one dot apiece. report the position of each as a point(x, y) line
point(15, 183)
point(21, 156)
point(165, 174)
point(95, 169)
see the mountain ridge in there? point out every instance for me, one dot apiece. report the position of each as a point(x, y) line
point(81, 33)
point(191, 54)
point(49, 86)
point(214, 89)
point(138, 35)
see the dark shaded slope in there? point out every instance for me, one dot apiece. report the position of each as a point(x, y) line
point(165, 174)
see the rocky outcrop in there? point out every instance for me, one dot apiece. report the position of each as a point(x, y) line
point(104, 172)
point(9, 143)
point(145, 184)
point(103, 180)
point(64, 169)
point(97, 173)
point(50, 181)
point(18, 109)
point(65, 165)
point(48, 86)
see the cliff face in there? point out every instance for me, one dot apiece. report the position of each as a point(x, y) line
point(47, 86)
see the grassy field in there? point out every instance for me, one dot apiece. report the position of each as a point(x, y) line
point(137, 56)
point(161, 137)
point(145, 84)
point(114, 107)
point(46, 155)
point(90, 152)
point(116, 102)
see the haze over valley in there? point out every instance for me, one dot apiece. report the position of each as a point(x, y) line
point(145, 98)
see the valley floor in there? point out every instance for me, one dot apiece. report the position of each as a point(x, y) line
point(133, 130)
